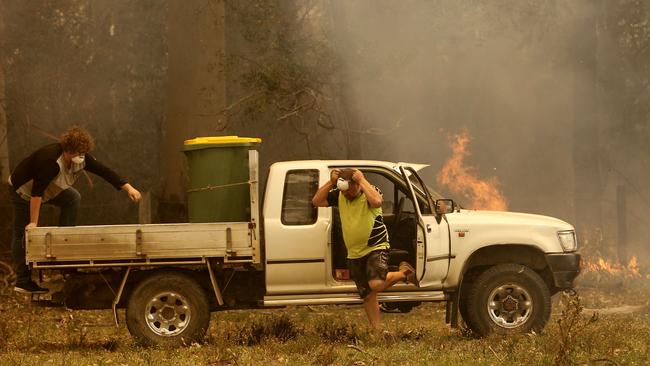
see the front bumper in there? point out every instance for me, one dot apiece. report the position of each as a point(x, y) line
point(565, 267)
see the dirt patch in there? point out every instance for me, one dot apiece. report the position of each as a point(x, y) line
point(624, 309)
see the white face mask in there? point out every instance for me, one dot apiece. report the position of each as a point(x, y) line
point(79, 159)
point(342, 184)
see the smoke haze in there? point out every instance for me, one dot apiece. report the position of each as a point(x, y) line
point(426, 69)
point(510, 72)
point(554, 94)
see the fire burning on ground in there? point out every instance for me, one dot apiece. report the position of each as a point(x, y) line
point(602, 266)
point(461, 179)
point(611, 288)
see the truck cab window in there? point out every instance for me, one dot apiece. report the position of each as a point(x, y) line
point(299, 188)
point(387, 188)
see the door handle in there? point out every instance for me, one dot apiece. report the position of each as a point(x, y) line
point(428, 228)
point(328, 227)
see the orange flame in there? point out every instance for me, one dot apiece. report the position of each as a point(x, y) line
point(633, 267)
point(461, 179)
point(631, 270)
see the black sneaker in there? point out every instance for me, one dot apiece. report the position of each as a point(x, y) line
point(30, 288)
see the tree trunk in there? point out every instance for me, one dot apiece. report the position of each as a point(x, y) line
point(586, 129)
point(4, 150)
point(195, 93)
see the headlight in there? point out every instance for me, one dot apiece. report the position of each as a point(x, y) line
point(568, 240)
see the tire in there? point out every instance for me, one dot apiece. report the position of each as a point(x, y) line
point(464, 313)
point(507, 299)
point(406, 307)
point(402, 307)
point(462, 301)
point(388, 307)
point(168, 309)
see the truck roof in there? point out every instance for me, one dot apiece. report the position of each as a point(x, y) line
point(352, 163)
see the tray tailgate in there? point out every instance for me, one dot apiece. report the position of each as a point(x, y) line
point(114, 242)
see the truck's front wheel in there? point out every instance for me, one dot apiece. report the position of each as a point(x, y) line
point(168, 308)
point(508, 298)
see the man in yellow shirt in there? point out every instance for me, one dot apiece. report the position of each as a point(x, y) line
point(365, 236)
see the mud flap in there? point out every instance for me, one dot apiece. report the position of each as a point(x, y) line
point(451, 310)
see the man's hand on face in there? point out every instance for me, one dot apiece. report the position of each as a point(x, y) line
point(334, 175)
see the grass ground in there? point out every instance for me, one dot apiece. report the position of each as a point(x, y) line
point(337, 335)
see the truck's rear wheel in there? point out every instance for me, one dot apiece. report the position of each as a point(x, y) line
point(168, 308)
point(508, 298)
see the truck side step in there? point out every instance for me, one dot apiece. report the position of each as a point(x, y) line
point(330, 299)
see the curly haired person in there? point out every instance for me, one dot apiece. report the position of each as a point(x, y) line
point(46, 177)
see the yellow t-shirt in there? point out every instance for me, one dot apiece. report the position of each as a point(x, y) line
point(363, 226)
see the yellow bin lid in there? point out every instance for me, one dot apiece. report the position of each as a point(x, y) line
point(220, 141)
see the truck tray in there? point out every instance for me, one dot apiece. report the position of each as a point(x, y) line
point(115, 245)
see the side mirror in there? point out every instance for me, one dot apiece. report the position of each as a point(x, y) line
point(445, 206)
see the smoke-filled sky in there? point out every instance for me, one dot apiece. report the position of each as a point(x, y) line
point(505, 70)
point(424, 70)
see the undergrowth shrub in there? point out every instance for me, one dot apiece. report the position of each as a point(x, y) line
point(337, 331)
point(325, 355)
point(75, 332)
point(5, 332)
point(280, 327)
point(570, 325)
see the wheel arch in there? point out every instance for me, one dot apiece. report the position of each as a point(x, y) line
point(137, 277)
point(491, 255)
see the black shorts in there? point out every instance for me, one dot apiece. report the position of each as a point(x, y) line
point(373, 266)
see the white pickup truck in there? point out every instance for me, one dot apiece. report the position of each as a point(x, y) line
point(498, 269)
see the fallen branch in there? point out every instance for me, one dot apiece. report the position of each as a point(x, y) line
point(240, 101)
point(362, 351)
point(604, 360)
point(495, 354)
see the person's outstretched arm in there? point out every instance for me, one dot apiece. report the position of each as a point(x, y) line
point(95, 167)
point(133, 193)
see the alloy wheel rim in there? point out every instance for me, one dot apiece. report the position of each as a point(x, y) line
point(510, 305)
point(167, 314)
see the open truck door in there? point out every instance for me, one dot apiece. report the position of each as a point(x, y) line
point(433, 245)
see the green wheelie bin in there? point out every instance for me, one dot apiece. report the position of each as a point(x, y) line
point(219, 189)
